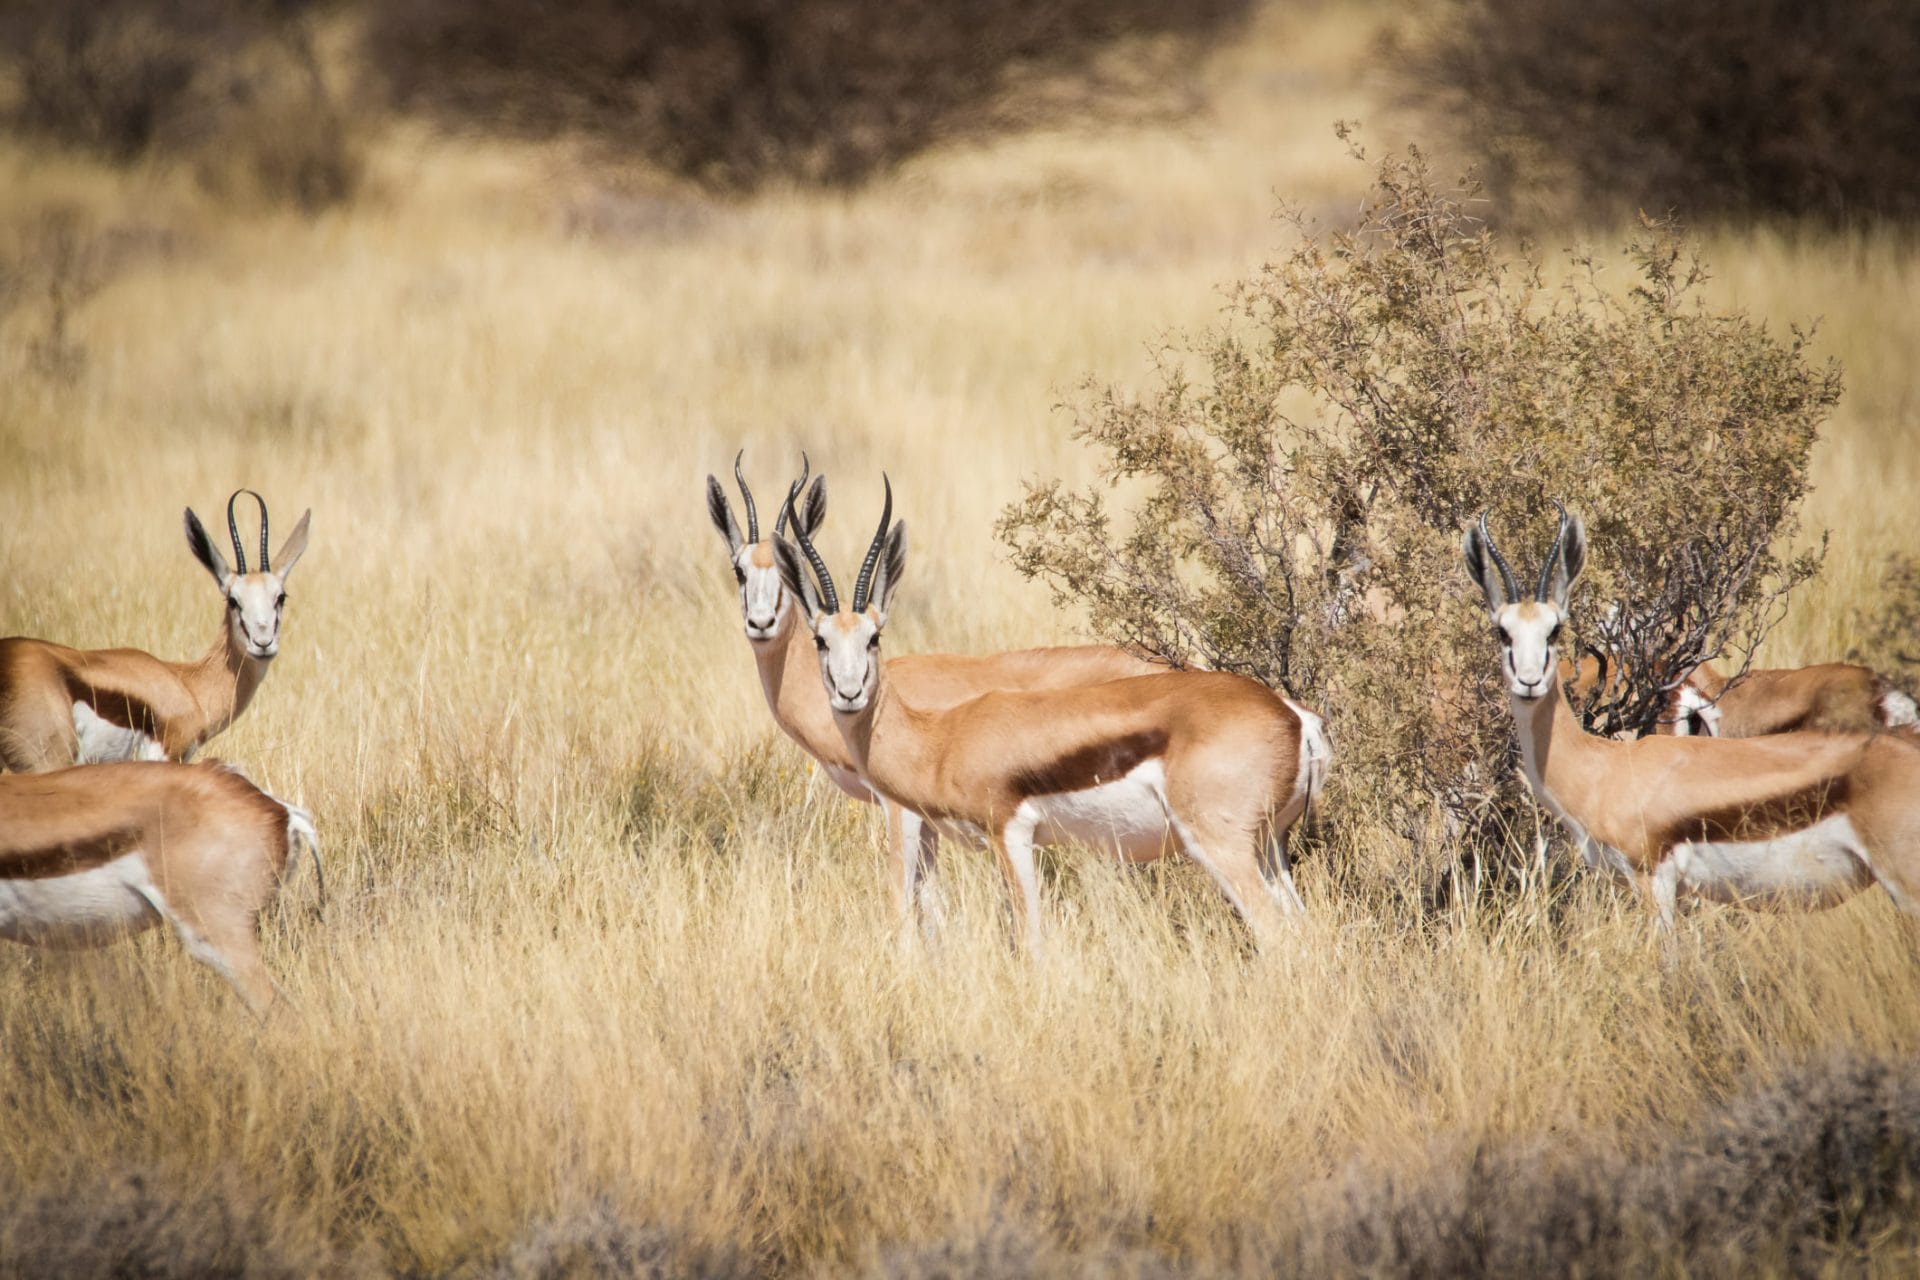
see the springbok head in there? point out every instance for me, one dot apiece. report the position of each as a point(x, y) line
point(1528, 629)
point(763, 598)
point(255, 600)
point(848, 639)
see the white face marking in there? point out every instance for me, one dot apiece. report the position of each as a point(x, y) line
point(1817, 867)
point(762, 597)
point(1126, 816)
point(83, 909)
point(1528, 633)
point(849, 645)
point(254, 605)
point(103, 742)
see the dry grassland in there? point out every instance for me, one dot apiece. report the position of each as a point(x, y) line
point(607, 977)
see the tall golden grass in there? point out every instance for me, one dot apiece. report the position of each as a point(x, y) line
point(602, 948)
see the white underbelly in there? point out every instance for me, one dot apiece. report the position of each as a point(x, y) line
point(82, 909)
point(103, 742)
point(1127, 816)
point(1818, 867)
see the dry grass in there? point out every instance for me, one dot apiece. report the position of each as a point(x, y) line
point(607, 980)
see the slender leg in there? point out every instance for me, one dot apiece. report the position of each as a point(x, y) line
point(1664, 888)
point(1234, 865)
point(913, 844)
point(229, 948)
point(1013, 848)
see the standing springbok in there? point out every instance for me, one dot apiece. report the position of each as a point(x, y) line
point(61, 706)
point(97, 852)
point(1217, 763)
point(790, 673)
point(1798, 819)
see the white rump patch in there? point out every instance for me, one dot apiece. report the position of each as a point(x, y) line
point(1127, 815)
point(1818, 867)
point(103, 742)
point(83, 909)
point(1898, 708)
point(1696, 709)
point(1316, 752)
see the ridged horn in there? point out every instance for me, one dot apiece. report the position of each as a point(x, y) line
point(1499, 561)
point(793, 494)
point(829, 598)
point(233, 531)
point(1553, 554)
point(864, 584)
point(746, 496)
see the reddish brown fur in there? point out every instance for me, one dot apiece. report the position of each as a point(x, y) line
point(215, 845)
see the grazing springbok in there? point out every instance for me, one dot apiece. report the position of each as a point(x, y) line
point(1216, 763)
point(1793, 820)
point(96, 852)
point(61, 706)
point(789, 671)
point(1834, 697)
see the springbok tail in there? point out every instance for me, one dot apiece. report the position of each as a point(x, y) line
point(300, 830)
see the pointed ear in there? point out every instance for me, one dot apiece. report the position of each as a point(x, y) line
point(205, 552)
point(720, 511)
point(793, 576)
point(1481, 569)
point(1573, 558)
point(893, 563)
point(293, 548)
point(815, 511)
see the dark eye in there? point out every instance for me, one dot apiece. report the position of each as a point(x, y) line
point(874, 643)
point(820, 643)
point(740, 575)
point(1553, 636)
point(281, 603)
point(1500, 634)
point(232, 603)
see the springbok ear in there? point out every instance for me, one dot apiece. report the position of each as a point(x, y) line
point(815, 512)
point(205, 552)
point(893, 563)
point(1572, 559)
point(720, 511)
point(293, 548)
point(1480, 568)
point(793, 576)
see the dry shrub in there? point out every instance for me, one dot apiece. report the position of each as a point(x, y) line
point(234, 86)
point(732, 93)
point(156, 1226)
point(1298, 481)
point(1012, 1246)
point(1889, 629)
point(1713, 107)
point(1817, 1172)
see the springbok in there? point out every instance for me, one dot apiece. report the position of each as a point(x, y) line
point(790, 675)
point(1216, 763)
point(97, 852)
point(61, 706)
point(1834, 697)
point(1797, 819)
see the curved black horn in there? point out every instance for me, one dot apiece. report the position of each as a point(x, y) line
point(233, 531)
point(830, 599)
point(864, 583)
point(1553, 554)
point(786, 509)
point(1499, 561)
point(746, 496)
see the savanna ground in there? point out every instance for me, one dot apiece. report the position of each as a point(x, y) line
point(607, 978)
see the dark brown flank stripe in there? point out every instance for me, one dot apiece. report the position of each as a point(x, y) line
point(113, 706)
point(1091, 765)
point(1767, 820)
point(67, 858)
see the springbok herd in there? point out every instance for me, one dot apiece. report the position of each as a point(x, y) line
point(1779, 789)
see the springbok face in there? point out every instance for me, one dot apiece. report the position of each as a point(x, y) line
point(849, 639)
point(1528, 629)
point(256, 601)
point(763, 597)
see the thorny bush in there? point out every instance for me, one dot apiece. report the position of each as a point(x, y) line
point(1288, 500)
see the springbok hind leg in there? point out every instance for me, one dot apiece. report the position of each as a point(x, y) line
point(231, 948)
point(1233, 859)
point(1013, 850)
